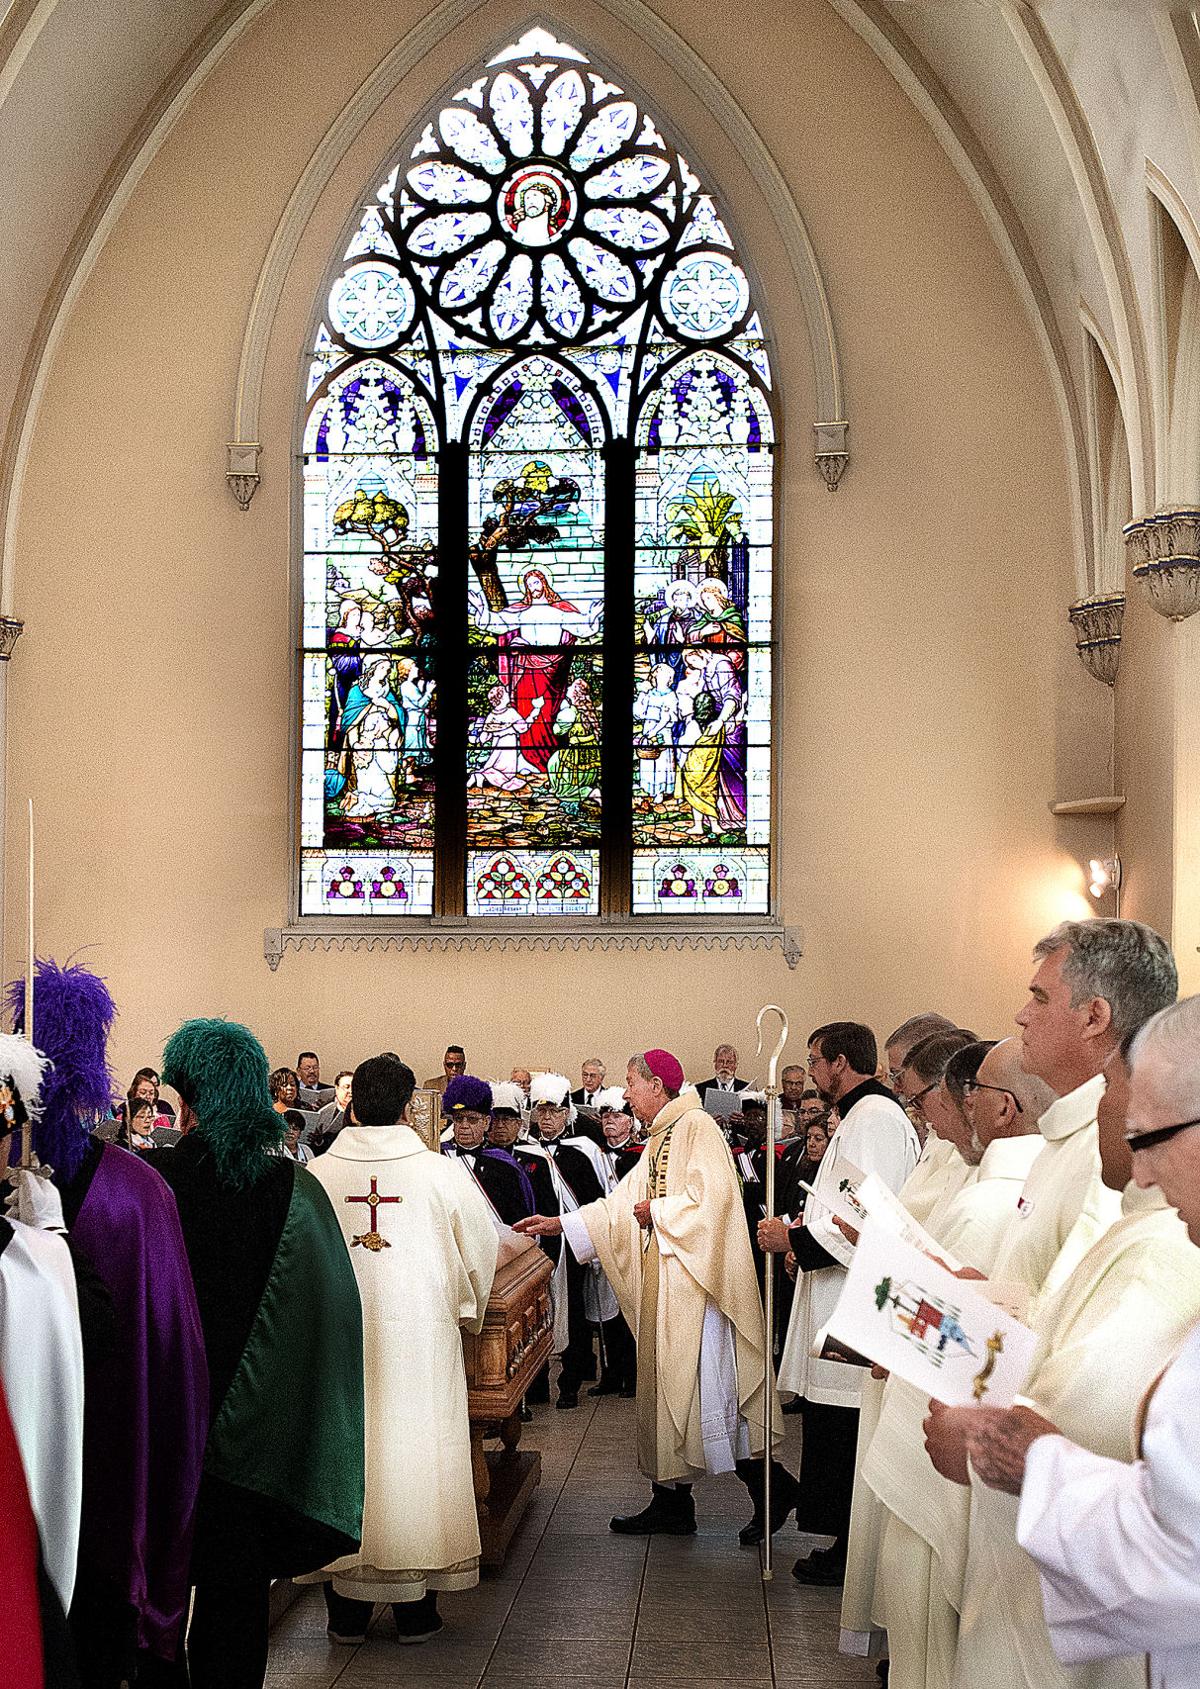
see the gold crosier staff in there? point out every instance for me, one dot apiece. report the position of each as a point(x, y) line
point(773, 1124)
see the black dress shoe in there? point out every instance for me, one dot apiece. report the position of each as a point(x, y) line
point(820, 1571)
point(606, 1387)
point(670, 1514)
point(791, 1407)
point(567, 1399)
point(785, 1493)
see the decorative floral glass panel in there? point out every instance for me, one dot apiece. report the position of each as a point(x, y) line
point(538, 481)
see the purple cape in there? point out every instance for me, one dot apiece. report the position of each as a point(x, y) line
point(146, 1413)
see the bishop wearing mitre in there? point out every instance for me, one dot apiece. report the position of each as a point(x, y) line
point(424, 1244)
point(672, 1241)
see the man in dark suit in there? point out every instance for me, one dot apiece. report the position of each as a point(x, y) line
point(724, 1078)
point(592, 1075)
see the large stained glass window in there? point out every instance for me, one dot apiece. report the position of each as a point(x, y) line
point(538, 480)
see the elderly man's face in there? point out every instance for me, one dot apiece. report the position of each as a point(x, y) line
point(469, 1128)
point(725, 1061)
point(550, 1119)
point(645, 1097)
point(309, 1070)
point(792, 1086)
point(616, 1126)
point(1174, 1165)
point(592, 1075)
point(504, 1127)
point(521, 1076)
point(341, 1091)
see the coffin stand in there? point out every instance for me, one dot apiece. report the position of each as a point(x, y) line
point(502, 1362)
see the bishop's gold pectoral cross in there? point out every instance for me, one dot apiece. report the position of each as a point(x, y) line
point(371, 1239)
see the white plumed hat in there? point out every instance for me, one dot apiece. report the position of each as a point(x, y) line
point(550, 1088)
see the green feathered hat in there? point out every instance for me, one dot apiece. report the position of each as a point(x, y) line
point(220, 1070)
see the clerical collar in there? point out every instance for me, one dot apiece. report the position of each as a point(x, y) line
point(868, 1088)
point(1070, 1113)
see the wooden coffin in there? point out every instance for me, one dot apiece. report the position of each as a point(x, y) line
point(515, 1343)
point(512, 1348)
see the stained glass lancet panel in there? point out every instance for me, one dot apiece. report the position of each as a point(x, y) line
point(369, 715)
point(540, 276)
point(536, 606)
point(702, 620)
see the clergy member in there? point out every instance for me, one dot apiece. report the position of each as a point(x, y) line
point(423, 1242)
point(282, 1486)
point(146, 1397)
point(672, 1240)
point(919, 1082)
point(875, 1136)
point(923, 1547)
point(467, 1106)
point(1102, 1342)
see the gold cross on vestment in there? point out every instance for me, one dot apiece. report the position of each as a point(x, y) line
point(371, 1239)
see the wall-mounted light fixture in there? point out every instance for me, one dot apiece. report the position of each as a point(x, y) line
point(1104, 876)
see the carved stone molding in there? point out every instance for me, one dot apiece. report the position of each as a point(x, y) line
point(508, 935)
point(1165, 552)
point(832, 451)
point(1097, 623)
point(241, 470)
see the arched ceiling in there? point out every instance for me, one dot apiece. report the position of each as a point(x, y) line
point(1052, 113)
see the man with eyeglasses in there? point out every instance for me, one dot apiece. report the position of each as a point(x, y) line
point(923, 1530)
point(1118, 1545)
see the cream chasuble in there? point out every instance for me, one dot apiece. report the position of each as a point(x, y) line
point(1065, 1206)
point(938, 1164)
point(689, 1292)
point(423, 1242)
point(924, 1544)
point(1103, 1340)
point(934, 1182)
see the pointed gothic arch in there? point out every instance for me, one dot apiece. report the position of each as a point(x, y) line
point(538, 519)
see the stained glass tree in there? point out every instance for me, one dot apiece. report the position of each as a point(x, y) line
point(538, 522)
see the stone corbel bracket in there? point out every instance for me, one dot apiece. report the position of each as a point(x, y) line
point(241, 470)
point(507, 936)
point(1164, 550)
point(1097, 623)
point(831, 452)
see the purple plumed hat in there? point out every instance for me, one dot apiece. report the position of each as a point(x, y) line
point(73, 1013)
point(465, 1092)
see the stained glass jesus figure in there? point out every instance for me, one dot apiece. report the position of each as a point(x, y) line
point(535, 658)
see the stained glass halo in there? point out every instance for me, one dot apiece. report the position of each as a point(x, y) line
point(541, 203)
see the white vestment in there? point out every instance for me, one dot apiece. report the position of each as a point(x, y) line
point(1118, 1545)
point(425, 1257)
point(938, 1161)
point(876, 1136)
point(1065, 1206)
point(934, 1182)
point(1102, 1341)
point(924, 1540)
point(41, 1363)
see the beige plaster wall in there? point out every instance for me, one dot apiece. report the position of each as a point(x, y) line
point(931, 705)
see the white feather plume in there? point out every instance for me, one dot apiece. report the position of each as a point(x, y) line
point(24, 1065)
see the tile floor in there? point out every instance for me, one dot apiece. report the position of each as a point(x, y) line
point(578, 1608)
